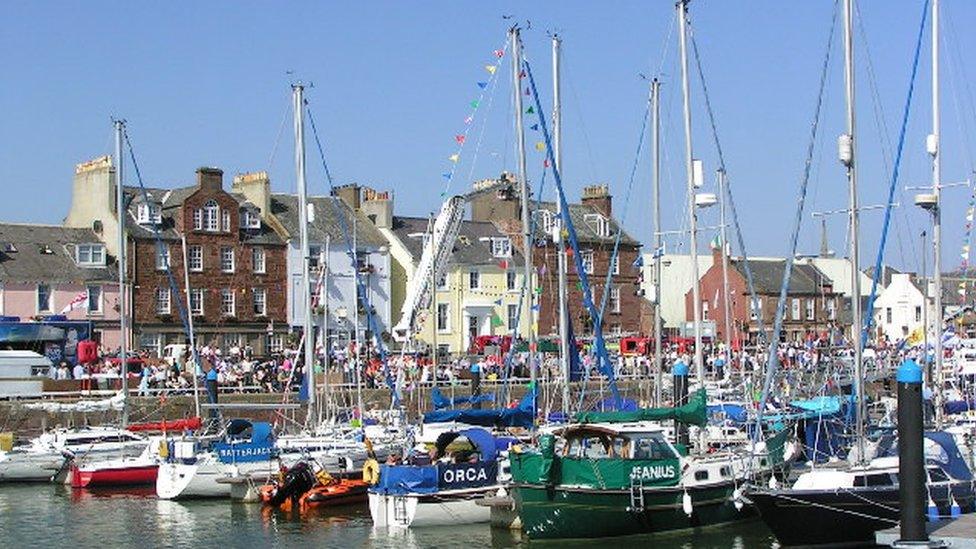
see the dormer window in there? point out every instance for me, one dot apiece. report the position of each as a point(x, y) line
point(546, 220)
point(150, 213)
point(250, 219)
point(599, 223)
point(90, 255)
point(501, 247)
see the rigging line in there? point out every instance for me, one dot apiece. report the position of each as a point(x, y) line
point(484, 127)
point(952, 45)
point(362, 291)
point(582, 125)
point(869, 316)
point(773, 360)
point(960, 109)
point(281, 129)
point(750, 284)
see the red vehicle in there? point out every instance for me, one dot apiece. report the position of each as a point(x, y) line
point(636, 346)
point(504, 343)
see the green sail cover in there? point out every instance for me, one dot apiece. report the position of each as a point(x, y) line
point(695, 412)
point(604, 474)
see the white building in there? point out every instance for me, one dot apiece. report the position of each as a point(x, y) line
point(898, 309)
point(676, 281)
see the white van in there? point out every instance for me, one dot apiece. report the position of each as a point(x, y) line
point(174, 352)
point(23, 373)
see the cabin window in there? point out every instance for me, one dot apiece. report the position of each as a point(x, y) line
point(937, 475)
point(725, 471)
point(875, 480)
point(701, 475)
point(652, 448)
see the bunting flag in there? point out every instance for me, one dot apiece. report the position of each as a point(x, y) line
point(499, 53)
point(534, 127)
point(446, 175)
point(545, 163)
point(454, 158)
point(482, 85)
point(542, 269)
point(538, 291)
point(498, 301)
point(495, 320)
point(530, 110)
point(468, 119)
point(474, 104)
point(491, 68)
point(540, 146)
point(528, 91)
point(503, 264)
point(459, 138)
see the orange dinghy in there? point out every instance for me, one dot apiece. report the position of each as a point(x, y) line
point(301, 488)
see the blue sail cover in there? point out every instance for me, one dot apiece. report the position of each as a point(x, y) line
point(258, 448)
point(733, 412)
point(520, 416)
point(951, 461)
point(441, 402)
point(406, 479)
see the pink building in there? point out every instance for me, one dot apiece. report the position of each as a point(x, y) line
point(51, 270)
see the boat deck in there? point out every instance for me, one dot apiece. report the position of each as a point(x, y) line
point(958, 533)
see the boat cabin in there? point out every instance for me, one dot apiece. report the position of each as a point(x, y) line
point(624, 441)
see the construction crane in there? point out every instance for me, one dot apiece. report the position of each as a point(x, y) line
point(438, 249)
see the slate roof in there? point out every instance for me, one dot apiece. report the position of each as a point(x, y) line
point(172, 200)
point(327, 221)
point(469, 249)
point(31, 262)
point(586, 231)
point(767, 275)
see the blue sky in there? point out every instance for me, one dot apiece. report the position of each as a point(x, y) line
point(207, 83)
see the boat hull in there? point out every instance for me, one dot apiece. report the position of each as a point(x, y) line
point(29, 467)
point(200, 480)
point(567, 513)
point(449, 508)
point(102, 477)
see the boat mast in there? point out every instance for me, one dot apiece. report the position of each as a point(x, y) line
point(189, 323)
point(355, 314)
point(934, 150)
point(524, 192)
point(298, 91)
point(123, 302)
point(847, 151)
point(682, 7)
point(557, 137)
point(324, 330)
point(656, 142)
point(726, 302)
point(433, 311)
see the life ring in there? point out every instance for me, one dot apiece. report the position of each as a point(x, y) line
point(371, 472)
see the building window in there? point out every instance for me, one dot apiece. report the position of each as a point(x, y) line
point(226, 259)
point(795, 308)
point(888, 315)
point(162, 256)
point(227, 302)
point(225, 221)
point(443, 317)
point(276, 343)
point(196, 302)
point(95, 300)
point(314, 256)
point(152, 343)
point(811, 309)
point(615, 299)
point(232, 341)
point(546, 221)
point(918, 313)
point(150, 213)
point(513, 316)
point(501, 247)
point(43, 298)
point(615, 264)
point(250, 219)
point(616, 330)
point(831, 309)
point(600, 224)
point(442, 282)
point(474, 280)
point(211, 216)
point(257, 259)
point(704, 309)
point(586, 257)
point(198, 220)
point(259, 298)
point(162, 301)
point(196, 258)
point(511, 278)
point(90, 255)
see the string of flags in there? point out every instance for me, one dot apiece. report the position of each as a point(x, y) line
point(967, 241)
point(461, 138)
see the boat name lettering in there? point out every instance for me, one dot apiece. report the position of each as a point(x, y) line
point(470, 474)
point(653, 472)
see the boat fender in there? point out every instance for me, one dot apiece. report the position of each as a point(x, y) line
point(737, 499)
point(773, 483)
point(954, 509)
point(371, 472)
point(163, 449)
point(932, 511)
point(686, 504)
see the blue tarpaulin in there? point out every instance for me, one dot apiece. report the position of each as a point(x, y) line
point(733, 412)
point(520, 416)
point(406, 479)
point(441, 402)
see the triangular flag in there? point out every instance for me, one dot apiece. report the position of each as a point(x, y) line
point(482, 85)
point(499, 53)
point(528, 91)
point(529, 110)
point(459, 138)
point(468, 120)
point(579, 286)
point(534, 127)
point(454, 158)
point(522, 74)
point(443, 194)
point(474, 104)
point(446, 175)
point(498, 301)
point(503, 264)
point(545, 163)
point(535, 307)
point(540, 146)
point(491, 68)
point(538, 291)
point(496, 321)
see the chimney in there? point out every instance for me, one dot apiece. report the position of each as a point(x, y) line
point(349, 194)
point(598, 197)
point(378, 207)
point(210, 179)
point(256, 188)
point(497, 206)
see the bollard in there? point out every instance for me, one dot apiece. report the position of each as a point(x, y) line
point(476, 387)
point(680, 377)
point(912, 494)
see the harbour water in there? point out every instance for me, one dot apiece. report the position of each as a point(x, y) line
point(57, 516)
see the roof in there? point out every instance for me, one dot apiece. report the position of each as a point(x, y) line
point(32, 262)
point(767, 275)
point(171, 200)
point(586, 231)
point(469, 249)
point(327, 220)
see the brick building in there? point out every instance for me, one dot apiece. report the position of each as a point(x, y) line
point(596, 231)
point(812, 307)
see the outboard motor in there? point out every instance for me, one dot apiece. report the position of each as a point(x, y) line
point(298, 480)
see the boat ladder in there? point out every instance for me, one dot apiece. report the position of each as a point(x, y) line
point(400, 510)
point(636, 494)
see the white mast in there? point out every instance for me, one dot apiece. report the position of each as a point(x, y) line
point(934, 149)
point(123, 302)
point(557, 135)
point(656, 141)
point(682, 7)
point(355, 309)
point(298, 91)
point(847, 148)
point(726, 302)
point(324, 330)
point(524, 192)
point(189, 323)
